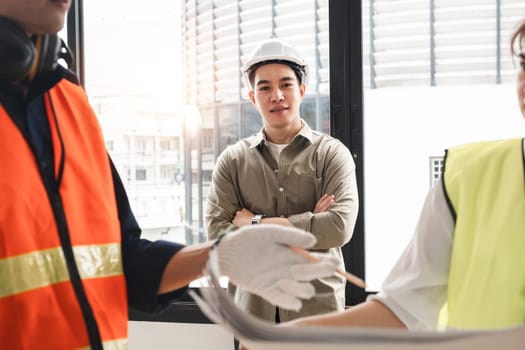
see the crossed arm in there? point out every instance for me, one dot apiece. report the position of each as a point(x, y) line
point(244, 217)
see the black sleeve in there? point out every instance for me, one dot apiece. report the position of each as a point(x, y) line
point(144, 261)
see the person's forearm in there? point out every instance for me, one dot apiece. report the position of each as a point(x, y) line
point(184, 267)
point(276, 220)
point(368, 314)
point(244, 217)
point(337, 237)
point(330, 228)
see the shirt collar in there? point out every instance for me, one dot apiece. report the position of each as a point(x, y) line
point(39, 86)
point(306, 132)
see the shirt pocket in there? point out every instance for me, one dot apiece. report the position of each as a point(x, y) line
point(308, 192)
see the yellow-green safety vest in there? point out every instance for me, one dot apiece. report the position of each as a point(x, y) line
point(485, 185)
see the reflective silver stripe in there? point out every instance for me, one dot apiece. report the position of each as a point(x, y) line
point(119, 344)
point(98, 260)
point(42, 268)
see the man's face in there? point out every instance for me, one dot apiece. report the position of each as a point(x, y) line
point(277, 95)
point(521, 83)
point(36, 16)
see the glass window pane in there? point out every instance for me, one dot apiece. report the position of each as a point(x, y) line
point(217, 38)
point(134, 84)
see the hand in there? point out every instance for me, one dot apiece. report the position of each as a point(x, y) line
point(242, 218)
point(258, 259)
point(324, 203)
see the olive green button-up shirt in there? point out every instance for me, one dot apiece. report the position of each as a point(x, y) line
point(246, 175)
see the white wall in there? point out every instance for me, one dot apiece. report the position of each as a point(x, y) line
point(404, 126)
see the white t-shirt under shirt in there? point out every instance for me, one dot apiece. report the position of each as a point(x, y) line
point(276, 149)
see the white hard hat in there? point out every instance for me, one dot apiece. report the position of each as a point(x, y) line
point(275, 50)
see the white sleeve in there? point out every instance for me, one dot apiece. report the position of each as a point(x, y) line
point(416, 288)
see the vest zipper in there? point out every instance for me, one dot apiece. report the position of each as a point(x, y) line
point(63, 231)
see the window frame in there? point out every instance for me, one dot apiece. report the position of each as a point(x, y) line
point(346, 119)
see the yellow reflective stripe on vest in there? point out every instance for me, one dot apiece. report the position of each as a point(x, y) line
point(119, 344)
point(38, 269)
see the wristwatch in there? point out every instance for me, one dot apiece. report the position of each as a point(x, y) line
point(257, 219)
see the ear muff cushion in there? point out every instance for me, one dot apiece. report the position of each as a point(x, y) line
point(17, 52)
point(48, 52)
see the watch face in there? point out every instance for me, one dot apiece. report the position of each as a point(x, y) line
point(256, 219)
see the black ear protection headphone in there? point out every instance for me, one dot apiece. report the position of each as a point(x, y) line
point(24, 58)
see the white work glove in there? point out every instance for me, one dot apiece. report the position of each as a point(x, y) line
point(258, 259)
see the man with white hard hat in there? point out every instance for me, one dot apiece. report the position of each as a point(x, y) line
point(276, 51)
point(286, 174)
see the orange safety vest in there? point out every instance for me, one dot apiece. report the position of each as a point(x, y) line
point(39, 308)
